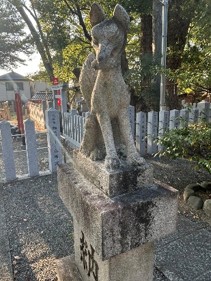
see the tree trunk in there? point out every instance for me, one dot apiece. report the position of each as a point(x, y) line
point(180, 17)
point(146, 35)
point(36, 37)
point(157, 40)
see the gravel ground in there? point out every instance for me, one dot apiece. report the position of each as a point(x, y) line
point(179, 173)
point(40, 228)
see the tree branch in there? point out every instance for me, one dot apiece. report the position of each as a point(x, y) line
point(81, 21)
point(40, 47)
point(80, 18)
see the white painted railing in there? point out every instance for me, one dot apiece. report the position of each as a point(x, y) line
point(149, 127)
point(152, 125)
point(146, 127)
point(53, 145)
point(73, 125)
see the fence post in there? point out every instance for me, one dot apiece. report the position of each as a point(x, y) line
point(7, 151)
point(53, 137)
point(31, 148)
point(141, 133)
point(131, 112)
point(44, 107)
point(184, 118)
point(194, 115)
point(204, 110)
point(64, 98)
point(63, 102)
point(174, 119)
point(152, 132)
point(163, 125)
point(82, 124)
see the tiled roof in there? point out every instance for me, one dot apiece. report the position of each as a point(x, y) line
point(42, 96)
point(13, 76)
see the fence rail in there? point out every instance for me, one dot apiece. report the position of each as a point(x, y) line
point(31, 150)
point(147, 128)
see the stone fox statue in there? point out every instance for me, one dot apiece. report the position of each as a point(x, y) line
point(105, 91)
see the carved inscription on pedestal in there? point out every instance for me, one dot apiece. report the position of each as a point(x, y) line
point(87, 258)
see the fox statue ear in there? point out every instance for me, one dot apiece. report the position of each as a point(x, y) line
point(122, 17)
point(96, 14)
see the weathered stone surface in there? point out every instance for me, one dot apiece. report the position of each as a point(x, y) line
point(194, 186)
point(117, 182)
point(122, 223)
point(206, 185)
point(187, 193)
point(7, 151)
point(195, 202)
point(106, 92)
point(207, 207)
point(67, 270)
point(135, 265)
point(53, 137)
point(31, 151)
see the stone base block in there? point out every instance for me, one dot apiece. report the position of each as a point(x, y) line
point(113, 183)
point(134, 265)
point(120, 224)
point(67, 270)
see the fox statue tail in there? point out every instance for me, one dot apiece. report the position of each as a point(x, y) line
point(87, 79)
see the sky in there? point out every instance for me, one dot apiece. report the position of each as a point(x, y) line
point(31, 66)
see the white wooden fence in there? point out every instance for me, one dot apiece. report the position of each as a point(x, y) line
point(73, 125)
point(149, 127)
point(53, 144)
point(146, 127)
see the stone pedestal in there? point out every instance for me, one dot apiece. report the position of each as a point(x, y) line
point(114, 228)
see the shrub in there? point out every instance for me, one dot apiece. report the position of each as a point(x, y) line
point(192, 142)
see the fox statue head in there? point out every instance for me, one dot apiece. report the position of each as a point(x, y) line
point(108, 36)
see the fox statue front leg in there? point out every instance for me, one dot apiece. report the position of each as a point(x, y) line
point(133, 156)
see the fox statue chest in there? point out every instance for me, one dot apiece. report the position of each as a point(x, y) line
point(110, 93)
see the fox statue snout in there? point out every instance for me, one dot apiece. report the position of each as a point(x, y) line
point(108, 45)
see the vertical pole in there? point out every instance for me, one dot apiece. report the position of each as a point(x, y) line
point(63, 103)
point(194, 115)
point(7, 151)
point(152, 132)
point(163, 125)
point(131, 112)
point(204, 108)
point(163, 53)
point(31, 148)
point(19, 113)
point(184, 118)
point(53, 137)
point(174, 119)
point(141, 133)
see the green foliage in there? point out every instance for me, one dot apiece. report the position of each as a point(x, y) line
point(13, 38)
point(132, 6)
point(192, 142)
point(73, 57)
point(63, 31)
point(194, 73)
